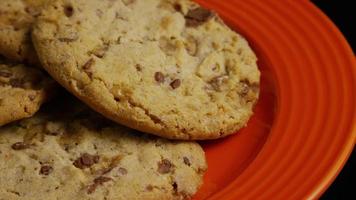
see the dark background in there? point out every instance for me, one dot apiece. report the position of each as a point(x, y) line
point(341, 13)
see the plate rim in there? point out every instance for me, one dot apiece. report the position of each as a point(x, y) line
point(339, 160)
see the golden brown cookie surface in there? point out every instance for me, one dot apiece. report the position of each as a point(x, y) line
point(16, 19)
point(22, 91)
point(85, 157)
point(165, 67)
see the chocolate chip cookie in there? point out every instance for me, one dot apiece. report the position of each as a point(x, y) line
point(22, 91)
point(165, 67)
point(86, 157)
point(16, 19)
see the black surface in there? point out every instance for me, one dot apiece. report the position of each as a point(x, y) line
point(341, 13)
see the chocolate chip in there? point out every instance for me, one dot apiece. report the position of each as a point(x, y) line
point(100, 52)
point(175, 187)
point(198, 16)
point(91, 188)
point(249, 91)
point(155, 119)
point(32, 97)
point(175, 84)
point(177, 7)
point(5, 74)
point(105, 170)
point(186, 161)
point(98, 181)
point(102, 179)
point(46, 170)
point(88, 64)
point(20, 146)
point(17, 83)
point(68, 10)
point(138, 67)
point(217, 82)
point(86, 160)
point(164, 166)
point(245, 88)
point(89, 160)
point(87, 67)
point(149, 187)
point(118, 99)
point(122, 171)
point(159, 77)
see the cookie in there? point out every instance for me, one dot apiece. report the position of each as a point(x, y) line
point(22, 91)
point(16, 19)
point(165, 67)
point(87, 157)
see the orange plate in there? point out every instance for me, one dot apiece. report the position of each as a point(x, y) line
point(304, 126)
